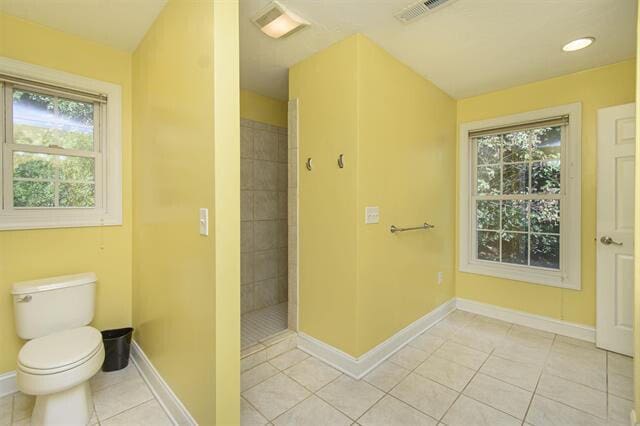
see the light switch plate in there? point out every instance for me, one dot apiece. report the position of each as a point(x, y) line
point(204, 222)
point(372, 215)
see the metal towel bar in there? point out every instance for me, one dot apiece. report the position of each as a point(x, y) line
point(425, 225)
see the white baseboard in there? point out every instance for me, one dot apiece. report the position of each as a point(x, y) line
point(359, 367)
point(538, 322)
point(632, 418)
point(8, 383)
point(174, 408)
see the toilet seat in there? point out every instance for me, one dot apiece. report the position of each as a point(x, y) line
point(59, 352)
point(59, 361)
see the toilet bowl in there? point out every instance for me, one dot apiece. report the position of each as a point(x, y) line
point(56, 368)
point(62, 352)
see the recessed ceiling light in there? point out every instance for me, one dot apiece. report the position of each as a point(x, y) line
point(578, 44)
point(276, 21)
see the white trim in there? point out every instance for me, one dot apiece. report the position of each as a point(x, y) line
point(360, 366)
point(539, 322)
point(632, 418)
point(174, 408)
point(8, 384)
point(571, 232)
point(110, 212)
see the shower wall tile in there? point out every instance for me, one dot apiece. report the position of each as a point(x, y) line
point(283, 177)
point(265, 205)
point(246, 237)
point(283, 148)
point(246, 174)
point(247, 298)
point(246, 269)
point(264, 180)
point(266, 293)
point(246, 205)
point(282, 265)
point(283, 283)
point(281, 234)
point(265, 264)
point(265, 145)
point(265, 175)
point(265, 234)
point(293, 168)
point(246, 142)
point(282, 205)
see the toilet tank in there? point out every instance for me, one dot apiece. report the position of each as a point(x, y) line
point(44, 306)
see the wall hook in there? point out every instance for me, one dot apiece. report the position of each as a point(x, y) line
point(341, 161)
point(309, 163)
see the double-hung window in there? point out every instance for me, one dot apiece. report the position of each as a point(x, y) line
point(60, 152)
point(520, 197)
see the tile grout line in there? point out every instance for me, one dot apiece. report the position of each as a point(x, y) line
point(467, 385)
point(535, 390)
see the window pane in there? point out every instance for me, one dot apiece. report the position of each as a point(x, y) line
point(545, 251)
point(33, 194)
point(488, 149)
point(514, 248)
point(516, 147)
point(77, 195)
point(489, 245)
point(38, 175)
point(34, 166)
point(46, 120)
point(47, 166)
point(76, 168)
point(515, 179)
point(488, 180)
point(488, 215)
point(546, 143)
point(515, 215)
point(545, 216)
point(546, 177)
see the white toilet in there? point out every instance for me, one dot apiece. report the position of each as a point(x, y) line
point(62, 353)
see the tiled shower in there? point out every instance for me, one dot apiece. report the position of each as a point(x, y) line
point(263, 208)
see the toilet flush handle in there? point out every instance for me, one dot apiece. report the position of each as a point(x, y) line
point(24, 299)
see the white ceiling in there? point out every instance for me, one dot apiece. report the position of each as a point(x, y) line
point(466, 48)
point(117, 23)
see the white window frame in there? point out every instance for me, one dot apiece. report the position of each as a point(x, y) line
point(108, 155)
point(570, 232)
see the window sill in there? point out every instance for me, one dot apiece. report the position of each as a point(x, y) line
point(24, 222)
point(516, 273)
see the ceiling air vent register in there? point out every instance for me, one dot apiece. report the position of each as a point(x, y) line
point(421, 8)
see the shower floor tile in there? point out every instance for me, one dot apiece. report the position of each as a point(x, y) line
point(260, 324)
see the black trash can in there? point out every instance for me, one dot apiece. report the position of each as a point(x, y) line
point(117, 345)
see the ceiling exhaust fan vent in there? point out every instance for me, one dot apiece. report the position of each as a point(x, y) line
point(416, 10)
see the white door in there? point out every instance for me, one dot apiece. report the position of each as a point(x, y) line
point(614, 279)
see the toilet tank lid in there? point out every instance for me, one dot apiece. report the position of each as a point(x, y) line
point(53, 283)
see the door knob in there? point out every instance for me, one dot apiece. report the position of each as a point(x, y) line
point(607, 241)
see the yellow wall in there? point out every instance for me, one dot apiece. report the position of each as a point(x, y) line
point(326, 85)
point(406, 157)
point(227, 211)
point(186, 292)
point(42, 253)
point(358, 283)
point(256, 107)
point(594, 88)
point(636, 304)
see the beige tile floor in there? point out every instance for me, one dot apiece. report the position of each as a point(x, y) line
point(119, 398)
point(466, 370)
